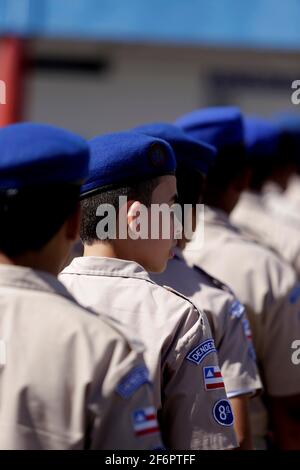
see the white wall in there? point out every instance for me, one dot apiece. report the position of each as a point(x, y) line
point(149, 83)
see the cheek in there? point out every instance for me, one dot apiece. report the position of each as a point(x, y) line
point(159, 253)
point(160, 249)
point(166, 229)
point(173, 225)
point(161, 225)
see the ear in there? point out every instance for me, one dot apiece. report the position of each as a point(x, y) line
point(73, 224)
point(133, 211)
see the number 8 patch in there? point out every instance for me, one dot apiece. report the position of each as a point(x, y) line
point(222, 413)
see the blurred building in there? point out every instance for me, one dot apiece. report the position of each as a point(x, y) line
point(102, 65)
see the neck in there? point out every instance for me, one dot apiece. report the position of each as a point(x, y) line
point(36, 261)
point(225, 202)
point(181, 244)
point(120, 249)
point(5, 260)
point(49, 259)
point(104, 250)
point(225, 206)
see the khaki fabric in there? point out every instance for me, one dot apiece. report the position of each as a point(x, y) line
point(293, 190)
point(65, 373)
point(228, 321)
point(281, 207)
point(175, 334)
point(268, 288)
point(251, 215)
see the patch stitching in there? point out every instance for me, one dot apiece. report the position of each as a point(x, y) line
point(145, 421)
point(237, 309)
point(213, 379)
point(133, 381)
point(223, 402)
point(196, 357)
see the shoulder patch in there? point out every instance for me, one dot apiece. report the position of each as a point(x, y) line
point(222, 413)
point(145, 421)
point(236, 309)
point(213, 379)
point(248, 335)
point(133, 381)
point(205, 348)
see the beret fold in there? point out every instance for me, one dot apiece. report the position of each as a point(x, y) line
point(123, 158)
point(262, 137)
point(221, 127)
point(189, 152)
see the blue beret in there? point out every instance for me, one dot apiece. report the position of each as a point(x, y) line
point(221, 127)
point(262, 137)
point(189, 152)
point(124, 158)
point(289, 124)
point(37, 154)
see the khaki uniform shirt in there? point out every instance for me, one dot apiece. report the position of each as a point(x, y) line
point(293, 190)
point(68, 379)
point(285, 210)
point(178, 347)
point(228, 321)
point(268, 288)
point(251, 215)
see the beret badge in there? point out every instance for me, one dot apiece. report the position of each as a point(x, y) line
point(157, 155)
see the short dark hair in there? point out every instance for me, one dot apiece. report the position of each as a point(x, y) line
point(261, 170)
point(141, 191)
point(30, 217)
point(229, 165)
point(190, 186)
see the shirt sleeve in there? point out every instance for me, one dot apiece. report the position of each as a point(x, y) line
point(196, 411)
point(278, 329)
point(235, 349)
point(121, 409)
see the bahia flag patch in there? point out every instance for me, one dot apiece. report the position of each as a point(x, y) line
point(248, 334)
point(145, 421)
point(213, 378)
point(247, 329)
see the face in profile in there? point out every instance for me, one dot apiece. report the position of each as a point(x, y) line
point(156, 247)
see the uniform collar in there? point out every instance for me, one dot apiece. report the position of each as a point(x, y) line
point(214, 216)
point(101, 266)
point(31, 279)
point(251, 198)
point(219, 218)
point(272, 188)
